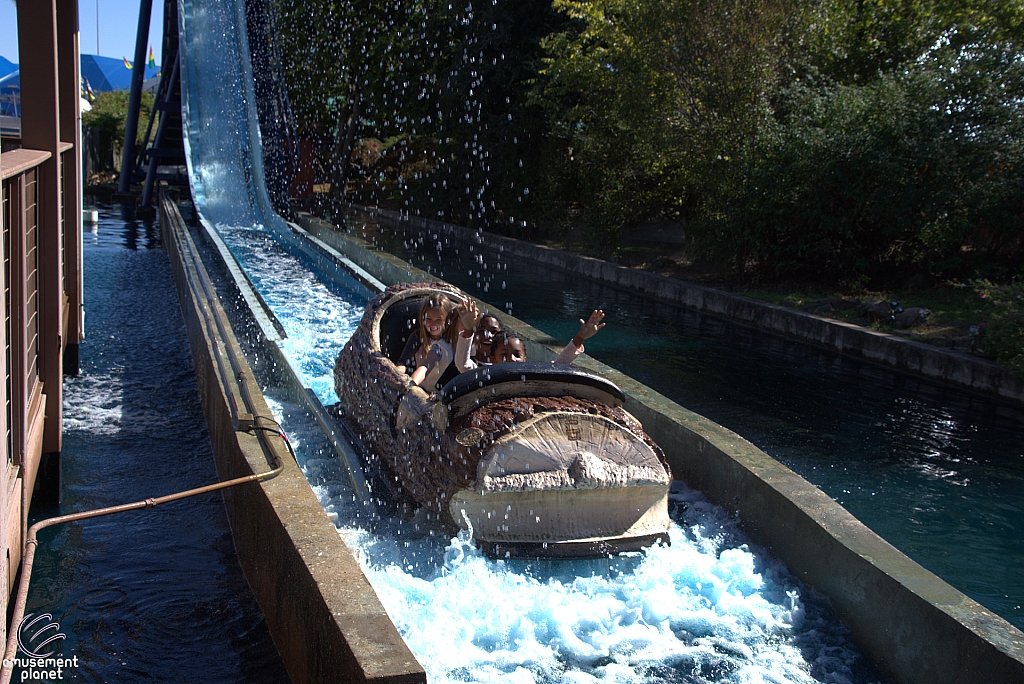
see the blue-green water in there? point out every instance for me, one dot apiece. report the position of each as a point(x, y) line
point(934, 470)
point(708, 608)
point(154, 595)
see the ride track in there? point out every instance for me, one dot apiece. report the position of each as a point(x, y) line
point(705, 607)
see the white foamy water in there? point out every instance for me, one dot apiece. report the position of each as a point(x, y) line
point(705, 608)
point(97, 404)
point(318, 320)
point(93, 403)
point(708, 608)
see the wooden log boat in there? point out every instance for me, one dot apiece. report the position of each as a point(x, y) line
point(537, 460)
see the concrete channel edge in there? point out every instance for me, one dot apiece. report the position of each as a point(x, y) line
point(916, 627)
point(323, 615)
point(956, 368)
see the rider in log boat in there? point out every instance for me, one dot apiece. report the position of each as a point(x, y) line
point(536, 459)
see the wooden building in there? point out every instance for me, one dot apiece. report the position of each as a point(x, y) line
point(41, 269)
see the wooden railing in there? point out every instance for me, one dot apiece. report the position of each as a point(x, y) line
point(31, 337)
point(69, 218)
point(24, 407)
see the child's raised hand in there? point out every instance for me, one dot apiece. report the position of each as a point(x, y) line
point(590, 327)
point(469, 314)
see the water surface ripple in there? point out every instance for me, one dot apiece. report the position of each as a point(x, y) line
point(154, 595)
point(936, 471)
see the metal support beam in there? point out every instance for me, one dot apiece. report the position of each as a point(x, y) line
point(157, 152)
point(131, 127)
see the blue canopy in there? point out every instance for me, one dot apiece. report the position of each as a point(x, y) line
point(101, 73)
point(107, 73)
point(6, 66)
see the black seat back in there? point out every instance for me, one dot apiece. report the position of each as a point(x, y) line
point(399, 322)
point(489, 383)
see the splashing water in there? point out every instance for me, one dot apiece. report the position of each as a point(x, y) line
point(318, 315)
point(706, 608)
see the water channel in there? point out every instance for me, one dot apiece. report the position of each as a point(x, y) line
point(935, 470)
point(708, 608)
point(154, 595)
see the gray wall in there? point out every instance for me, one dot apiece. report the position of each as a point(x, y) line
point(322, 613)
point(915, 626)
point(957, 368)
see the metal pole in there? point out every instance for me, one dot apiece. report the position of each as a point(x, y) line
point(32, 543)
point(131, 126)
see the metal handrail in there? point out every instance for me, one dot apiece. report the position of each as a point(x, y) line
point(235, 378)
point(31, 543)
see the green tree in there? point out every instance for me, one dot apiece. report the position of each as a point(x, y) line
point(109, 113)
point(852, 41)
point(489, 137)
point(833, 139)
point(916, 171)
point(436, 92)
point(346, 62)
point(646, 97)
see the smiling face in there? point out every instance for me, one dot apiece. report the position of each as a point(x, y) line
point(433, 323)
point(486, 331)
point(510, 350)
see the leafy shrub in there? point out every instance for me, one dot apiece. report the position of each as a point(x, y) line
point(640, 95)
point(920, 170)
point(110, 112)
point(1003, 339)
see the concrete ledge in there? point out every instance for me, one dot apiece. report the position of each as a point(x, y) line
point(324, 616)
point(915, 626)
point(956, 368)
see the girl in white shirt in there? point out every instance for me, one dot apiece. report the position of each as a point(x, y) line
point(436, 367)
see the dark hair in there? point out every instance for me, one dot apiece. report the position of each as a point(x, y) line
point(505, 337)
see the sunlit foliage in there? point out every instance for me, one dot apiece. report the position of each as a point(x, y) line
point(920, 170)
point(837, 140)
point(109, 113)
point(644, 95)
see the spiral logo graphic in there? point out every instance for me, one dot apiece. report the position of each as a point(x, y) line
point(37, 632)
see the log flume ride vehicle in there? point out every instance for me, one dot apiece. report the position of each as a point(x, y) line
point(536, 459)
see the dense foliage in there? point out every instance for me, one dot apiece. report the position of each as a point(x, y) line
point(840, 141)
point(109, 113)
point(1003, 336)
point(919, 170)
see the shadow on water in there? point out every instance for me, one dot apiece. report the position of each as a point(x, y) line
point(936, 471)
point(151, 595)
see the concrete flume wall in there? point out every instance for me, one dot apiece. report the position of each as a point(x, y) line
point(957, 368)
point(324, 616)
point(915, 626)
